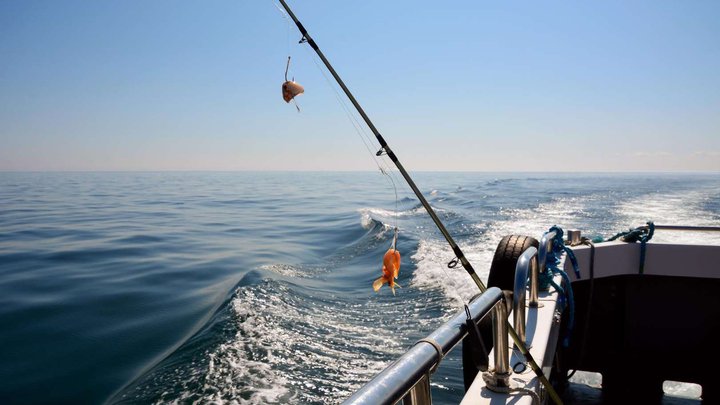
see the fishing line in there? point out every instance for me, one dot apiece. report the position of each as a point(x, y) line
point(454, 286)
point(378, 159)
point(366, 140)
point(287, 44)
point(287, 25)
point(364, 136)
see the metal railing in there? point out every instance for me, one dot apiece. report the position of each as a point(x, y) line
point(408, 378)
point(501, 370)
point(688, 228)
point(545, 248)
point(526, 267)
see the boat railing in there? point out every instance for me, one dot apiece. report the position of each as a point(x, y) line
point(545, 248)
point(526, 268)
point(408, 378)
point(688, 228)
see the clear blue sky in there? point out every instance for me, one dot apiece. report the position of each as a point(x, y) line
point(468, 85)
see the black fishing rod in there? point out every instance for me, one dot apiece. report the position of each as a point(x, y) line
point(460, 256)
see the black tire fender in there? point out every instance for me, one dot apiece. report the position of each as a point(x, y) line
point(502, 269)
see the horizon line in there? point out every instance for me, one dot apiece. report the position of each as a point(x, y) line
point(356, 171)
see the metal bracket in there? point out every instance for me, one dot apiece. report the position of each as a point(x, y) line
point(437, 348)
point(496, 382)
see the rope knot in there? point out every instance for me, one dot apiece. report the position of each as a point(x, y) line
point(641, 234)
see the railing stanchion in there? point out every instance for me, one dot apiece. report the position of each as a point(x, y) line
point(534, 282)
point(420, 393)
point(545, 248)
point(522, 269)
point(498, 378)
point(500, 340)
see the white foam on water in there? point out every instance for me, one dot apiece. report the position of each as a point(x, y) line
point(433, 255)
point(388, 218)
point(383, 214)
point(569, 213)
point(680, 208)
point(588, 378)
point(287, 270)
point(367, 221)
point(432, 273)
point(293, 350)
point(681, 389)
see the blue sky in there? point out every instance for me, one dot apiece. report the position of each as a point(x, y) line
point(470, 85)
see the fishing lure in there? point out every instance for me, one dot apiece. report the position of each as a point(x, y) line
point(290, 89)
point(391, 268)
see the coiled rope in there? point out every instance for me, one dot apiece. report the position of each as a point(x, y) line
point(641, 234)
point(553, 260)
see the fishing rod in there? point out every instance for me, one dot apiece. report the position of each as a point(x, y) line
point(459, 255)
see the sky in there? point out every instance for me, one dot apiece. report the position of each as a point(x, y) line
point(465, 85)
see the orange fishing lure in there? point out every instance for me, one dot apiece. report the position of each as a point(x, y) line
point(390, 269)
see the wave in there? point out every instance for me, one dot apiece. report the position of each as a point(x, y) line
point(382, 215)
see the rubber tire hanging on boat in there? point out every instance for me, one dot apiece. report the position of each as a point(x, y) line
point(502, 269)
point(502, 275)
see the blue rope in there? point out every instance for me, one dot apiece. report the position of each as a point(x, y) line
point(552, 264)
point(641, 234)
point(566, 299)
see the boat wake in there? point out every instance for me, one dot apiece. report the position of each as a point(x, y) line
point(693, 208)
point(284, 335)
point(432, 255)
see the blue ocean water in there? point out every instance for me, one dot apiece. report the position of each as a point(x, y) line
point(256, 287)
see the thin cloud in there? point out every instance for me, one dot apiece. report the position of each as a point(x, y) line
point(652, 154)
point(707, 153)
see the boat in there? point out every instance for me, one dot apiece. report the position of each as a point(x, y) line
point(636, 313)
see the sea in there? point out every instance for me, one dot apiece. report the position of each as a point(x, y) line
point(255, 287)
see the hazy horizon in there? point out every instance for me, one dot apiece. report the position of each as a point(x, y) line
point(559, 172)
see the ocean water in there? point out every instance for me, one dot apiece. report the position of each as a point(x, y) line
point(255, 288)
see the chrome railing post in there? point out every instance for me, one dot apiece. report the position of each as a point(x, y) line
point(534, 282)
point(500, 340)
point(499, 377)
point(420, 393)
point(522, 268)
point(519, 316)
point(545, 248)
